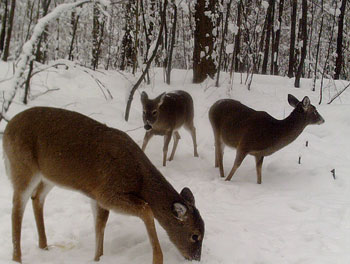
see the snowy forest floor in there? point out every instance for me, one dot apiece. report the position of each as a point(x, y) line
point(299, 214)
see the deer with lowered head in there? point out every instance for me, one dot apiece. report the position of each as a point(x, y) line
point(44, 147)
point(256, 132)
point(165, 115)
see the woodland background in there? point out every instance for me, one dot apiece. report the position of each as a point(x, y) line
point(294, 38)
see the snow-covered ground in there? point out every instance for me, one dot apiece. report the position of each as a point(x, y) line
point(299, 214)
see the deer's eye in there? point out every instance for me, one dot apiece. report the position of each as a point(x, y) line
point(194, 238)
point(144, 112)
point(154, 112)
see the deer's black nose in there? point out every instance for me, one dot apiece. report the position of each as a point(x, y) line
point(148, 127)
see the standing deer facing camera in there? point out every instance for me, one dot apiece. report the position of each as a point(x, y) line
point(44, 147)
point(256, 132)
point(164, 115)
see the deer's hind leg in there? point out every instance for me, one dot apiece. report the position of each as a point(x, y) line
point(192, 130)
point(167, 138)
point(24, 183)
point(259, 161)
point(240, 155)
point(100, 218)
point(176, 137)
point(38, 200)
point(219, 152)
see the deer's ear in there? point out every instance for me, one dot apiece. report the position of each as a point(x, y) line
point(144, 97)
point(160, 99)
point(306, 102)
point(179, 211)
point(187, 195)
point(292, 100)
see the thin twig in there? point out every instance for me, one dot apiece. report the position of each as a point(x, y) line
point(133, 129)
point(338, 94)
point(33, 97)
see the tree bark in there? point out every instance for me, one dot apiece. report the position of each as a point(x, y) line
point(269, 23)
point(41, 56)
point(292, 38)
point(318, 48)
point(9, 31)
point(127, 42)
point(204, 41)
point(228, 9)
point(303, 49)
point(277, 39)
point(172, 44)
point(237, 45)
point(3, 27)
point(339, 60)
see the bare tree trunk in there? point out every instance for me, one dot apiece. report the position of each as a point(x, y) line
point(30, 21)
point(74, 23)
point(273, 36)
point(184, 40)
point(95, 36)
point(127, 42)
point(339, 61)
point(269, 23)
point(9, 31)
point(228, 9)
point(303, 49)
point(41, 56)
point(173, 36)
point(318, 48)
point(136, 33)
point(204, 40)
point(311, 37)
point(3, 27)
point(292, 39)
point(277, 39)
point(237, 45)
point(326, 64)
point(147, 36)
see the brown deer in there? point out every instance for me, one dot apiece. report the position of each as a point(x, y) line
point(256, 132)
point(164, 115)
point(46, 146)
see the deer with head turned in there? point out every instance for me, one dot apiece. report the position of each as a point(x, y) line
point(44, 147)
point(165, 115)
point(256, 132)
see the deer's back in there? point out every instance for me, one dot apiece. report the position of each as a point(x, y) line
point(237, 124)
point(75, 151)
point(176, 110)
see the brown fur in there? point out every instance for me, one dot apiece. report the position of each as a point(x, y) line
point(45, 146)
point(256, 132)
point(164, 115)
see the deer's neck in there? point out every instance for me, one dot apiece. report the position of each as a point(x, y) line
point(160, 196)
point(291, 127)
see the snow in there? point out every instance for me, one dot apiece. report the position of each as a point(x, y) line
point(265, 4)
point(229, 48)
point(299, 214)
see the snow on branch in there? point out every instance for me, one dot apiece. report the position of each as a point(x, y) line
point(28, 48)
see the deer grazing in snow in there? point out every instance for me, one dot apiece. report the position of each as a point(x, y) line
point(44, 147)
point(164, 115)
point(256, 132)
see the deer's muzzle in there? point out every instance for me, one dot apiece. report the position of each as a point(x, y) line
point(148, 127)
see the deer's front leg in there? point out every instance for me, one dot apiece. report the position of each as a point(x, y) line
point(132, 205)
point(167, 138)
point(147, 137)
